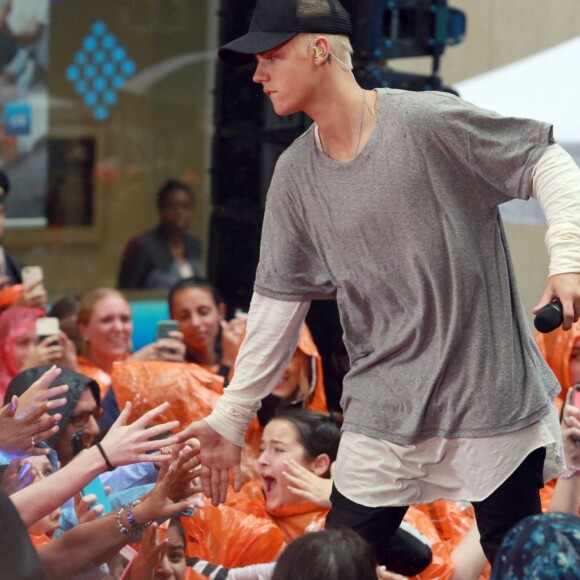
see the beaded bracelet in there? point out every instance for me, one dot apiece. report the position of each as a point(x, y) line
point(131, 518)
point(136, 531)
point(125, 531)
point(570, 472)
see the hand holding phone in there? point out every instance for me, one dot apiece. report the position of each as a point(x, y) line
point(47, 326)
point(165, 327)
point(96, 488)
point(164, 330)
point(33, 279)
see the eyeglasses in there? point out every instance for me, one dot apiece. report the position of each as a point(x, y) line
point(82, 418)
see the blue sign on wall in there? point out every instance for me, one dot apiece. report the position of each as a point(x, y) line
point(99, 69)
point(17, 118)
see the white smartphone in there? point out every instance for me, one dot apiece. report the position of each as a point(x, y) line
point(46, 326)
point(31, 275)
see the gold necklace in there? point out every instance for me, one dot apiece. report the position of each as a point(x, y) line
point(363, 104)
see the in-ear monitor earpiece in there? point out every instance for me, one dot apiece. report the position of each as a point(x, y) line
point(318, 51)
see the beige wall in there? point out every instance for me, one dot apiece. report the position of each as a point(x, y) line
point(168, 131)
point(154, 133)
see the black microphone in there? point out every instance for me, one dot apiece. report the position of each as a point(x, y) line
point(549, 317)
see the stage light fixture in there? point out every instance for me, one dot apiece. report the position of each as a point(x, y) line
point(384, 30)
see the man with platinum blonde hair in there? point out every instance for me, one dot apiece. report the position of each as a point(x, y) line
point(339, 46)
point(388, 203)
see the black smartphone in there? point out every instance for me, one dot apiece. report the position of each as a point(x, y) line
point(164, 327)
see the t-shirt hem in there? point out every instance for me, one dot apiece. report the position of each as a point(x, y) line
point(425, 434)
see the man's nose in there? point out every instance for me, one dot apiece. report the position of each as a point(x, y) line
point(259, 75)
point(92, 427)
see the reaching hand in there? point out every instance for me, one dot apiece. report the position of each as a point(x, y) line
point(125, 444)
point(16, 477)
point(149, 556)
point(174, 488)
point(218, 456)
point(571, 433)
point(86, 507)
point(40, 395)
point(20, 431)
point(308, 485)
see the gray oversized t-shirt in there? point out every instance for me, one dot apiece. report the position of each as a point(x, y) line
point(407, 237)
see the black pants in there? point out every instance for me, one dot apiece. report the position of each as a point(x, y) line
point(516, 498)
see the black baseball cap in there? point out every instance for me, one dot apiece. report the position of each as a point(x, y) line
point(277, 21)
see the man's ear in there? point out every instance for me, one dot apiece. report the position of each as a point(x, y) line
point(321, 465)
point(320, 49)
point(222, 310)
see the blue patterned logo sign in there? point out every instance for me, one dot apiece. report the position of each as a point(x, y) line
point(99, 69)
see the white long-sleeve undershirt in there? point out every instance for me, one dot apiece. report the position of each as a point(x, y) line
point(274, 325)
point(556, 185)
point(272, 334)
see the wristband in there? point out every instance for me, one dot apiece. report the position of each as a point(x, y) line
point(110, 466)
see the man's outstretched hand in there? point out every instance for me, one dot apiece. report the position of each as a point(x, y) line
point(218, 457)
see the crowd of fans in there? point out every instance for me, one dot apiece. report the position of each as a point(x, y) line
point(82, 408)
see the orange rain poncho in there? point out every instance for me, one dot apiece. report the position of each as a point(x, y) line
point(443, 523)
point(10, 295)
point(192, 390)
point(91, 370)
point(223, 535)
point(556, 348)
point(315, 399)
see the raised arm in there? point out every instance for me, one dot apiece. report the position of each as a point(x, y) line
point(566, 496)
point(87, 542)
point(272, 333)
point(124, 444)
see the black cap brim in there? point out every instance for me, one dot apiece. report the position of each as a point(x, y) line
point(241, 51)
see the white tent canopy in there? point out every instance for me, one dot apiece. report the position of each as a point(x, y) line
point(544, 86)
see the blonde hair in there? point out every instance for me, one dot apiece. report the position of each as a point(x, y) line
point(340, 46)
point(87, 305)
